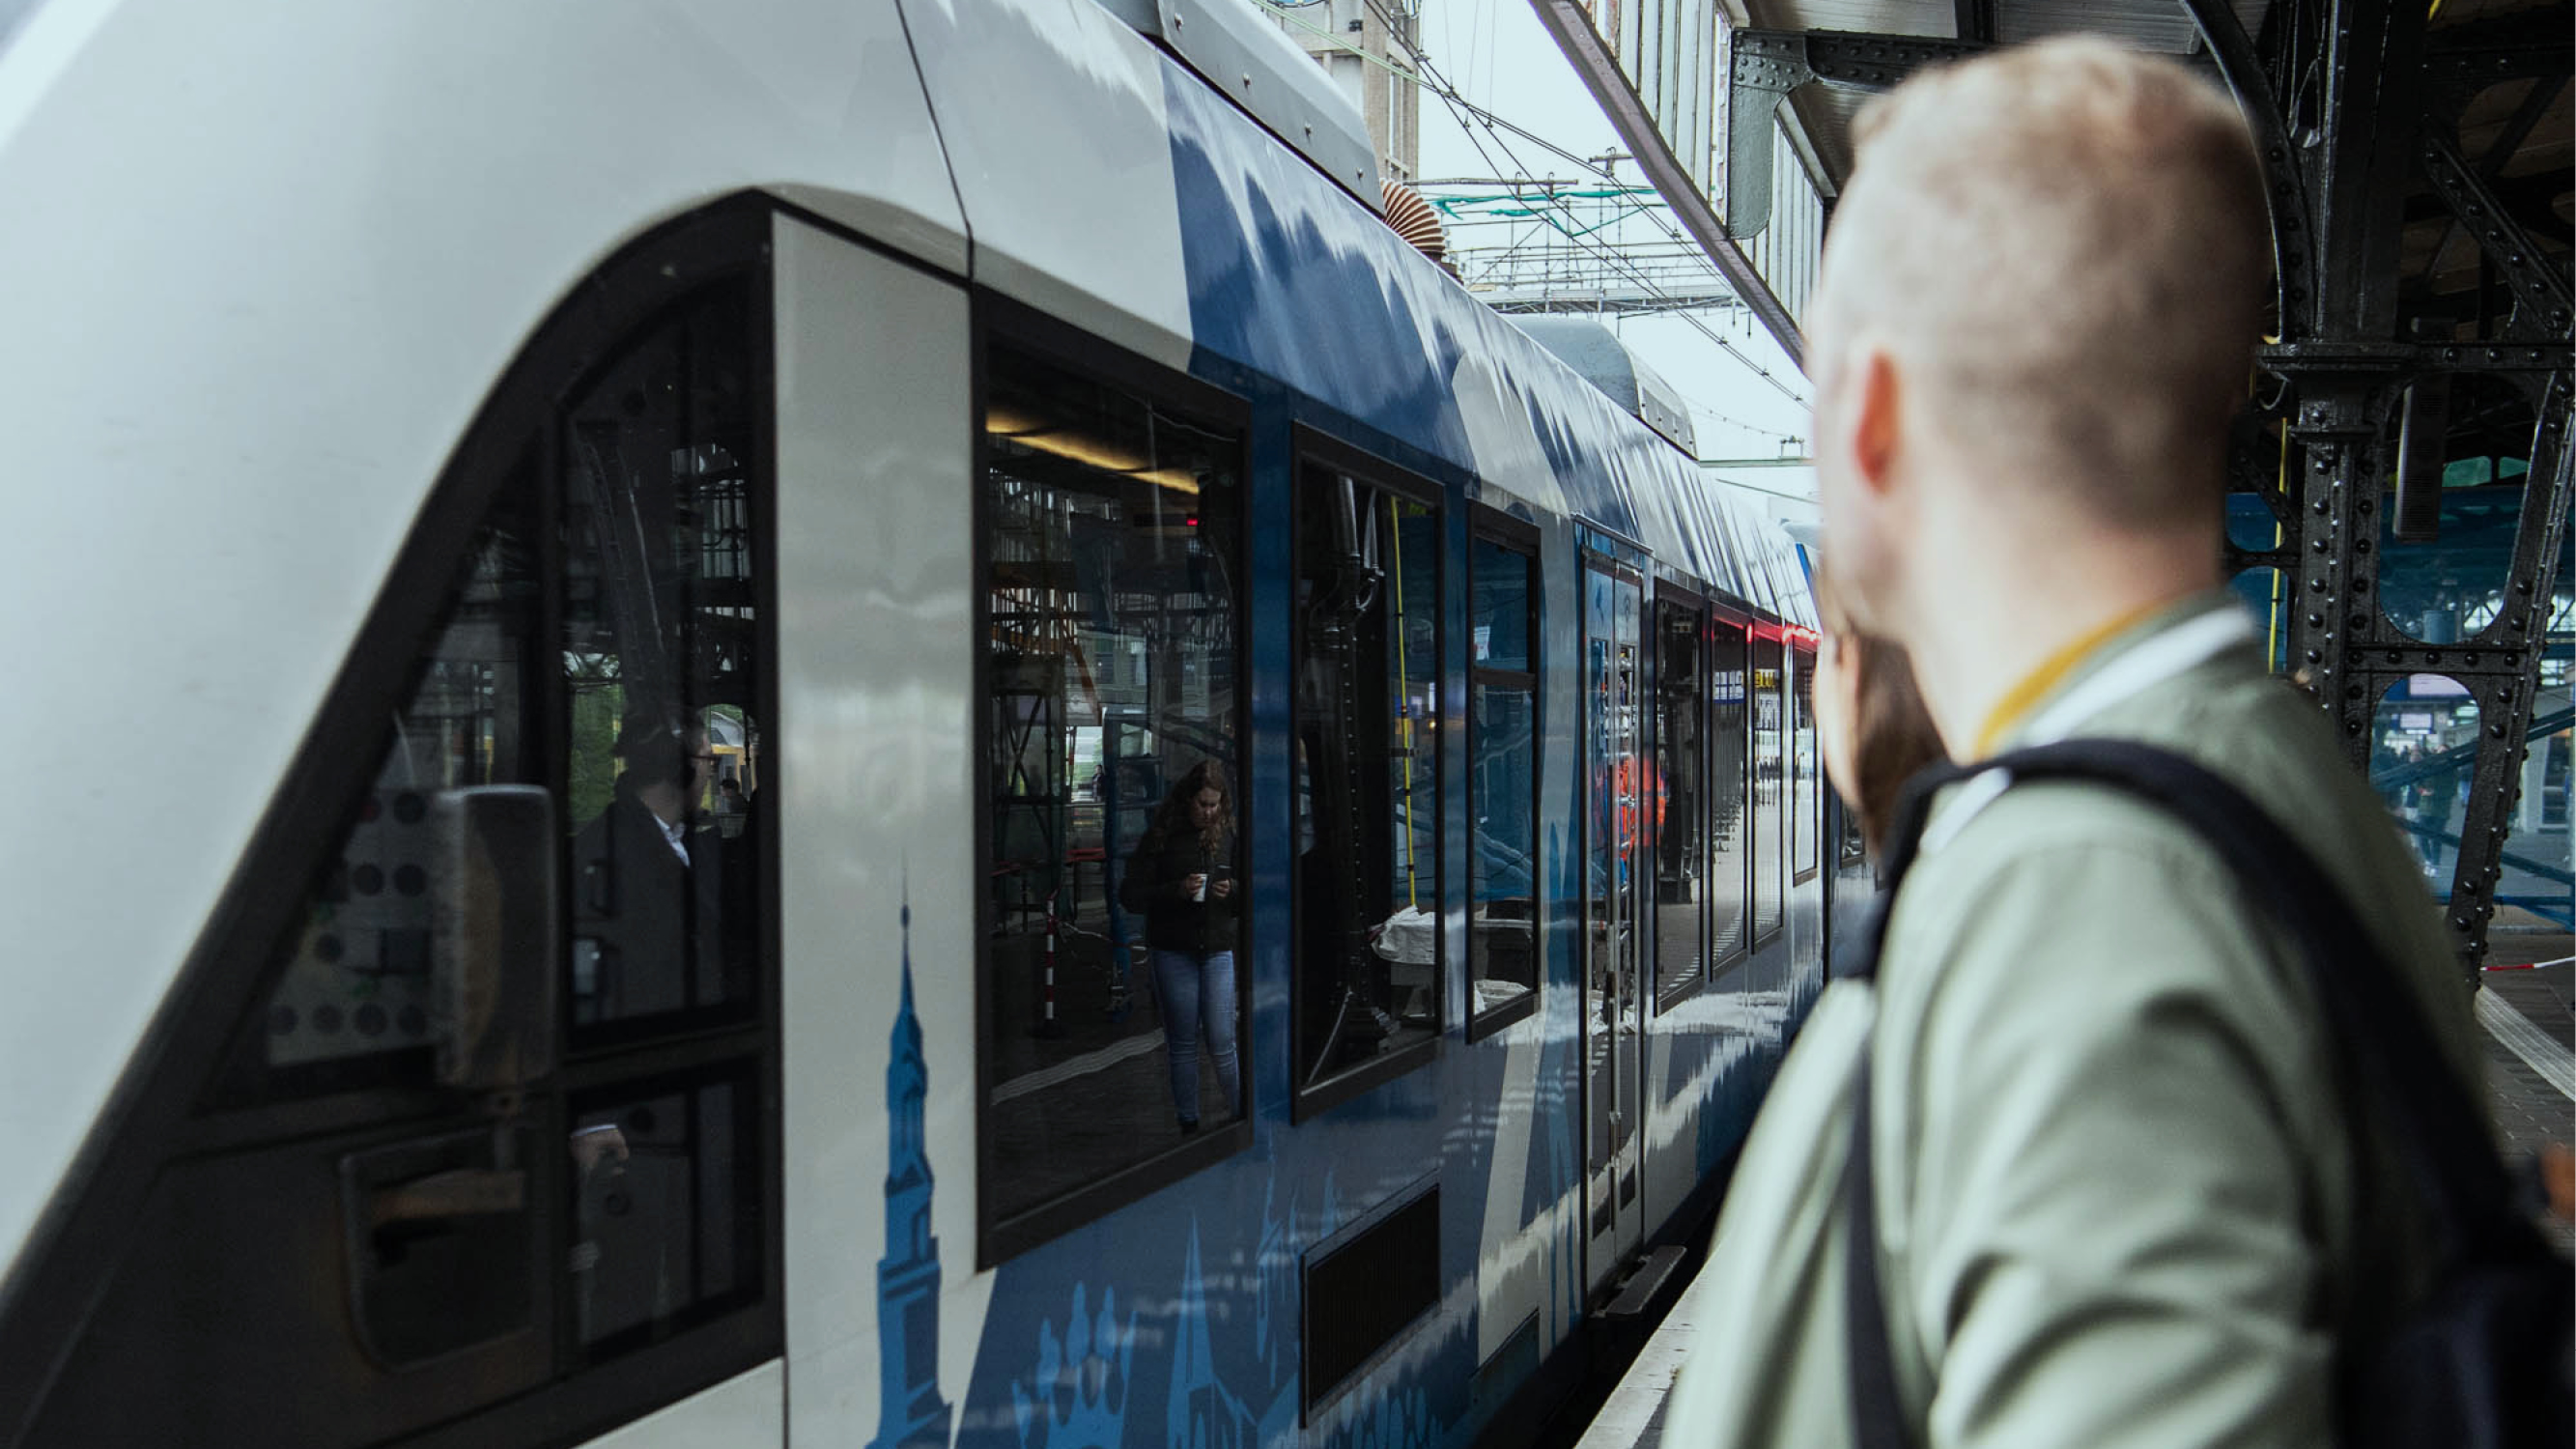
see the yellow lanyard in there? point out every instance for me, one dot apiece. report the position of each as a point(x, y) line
point(2008, 711)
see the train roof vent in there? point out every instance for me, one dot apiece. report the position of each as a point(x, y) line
point(1417, 221)
point(1251, 61)
point(1596, 352)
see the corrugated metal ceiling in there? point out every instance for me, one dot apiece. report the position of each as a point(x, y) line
point(2158, 25)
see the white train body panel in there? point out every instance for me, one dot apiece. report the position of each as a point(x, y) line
point(272, 269)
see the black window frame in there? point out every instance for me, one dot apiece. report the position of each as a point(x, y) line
point(1054, 342)
point(1311, 447)
point(1487, 524)
point(1696, 602)
point(175, 1099)
point(1734, 617)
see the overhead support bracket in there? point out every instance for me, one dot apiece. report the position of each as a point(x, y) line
point(2540, 289)
point(2285, 186)
point(1769, 64)
point(2464, 59)
point(1571, 27)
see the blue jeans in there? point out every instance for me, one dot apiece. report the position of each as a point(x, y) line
point(1197, 989)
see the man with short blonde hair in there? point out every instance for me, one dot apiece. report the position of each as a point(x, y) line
point(2065, 250)
point(2116, 1199)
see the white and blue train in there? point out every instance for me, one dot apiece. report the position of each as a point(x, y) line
point(608, 598)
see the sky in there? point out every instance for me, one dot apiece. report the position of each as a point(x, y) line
point(1499, 57)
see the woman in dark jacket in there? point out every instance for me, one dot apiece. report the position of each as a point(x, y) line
point(1181, 880)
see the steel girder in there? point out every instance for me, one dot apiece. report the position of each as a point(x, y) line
point(1771, 63)
point(2319, 447)
point(1571, 27)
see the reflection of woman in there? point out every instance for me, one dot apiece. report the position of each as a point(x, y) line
point(1181, 880)
point(1870, 720)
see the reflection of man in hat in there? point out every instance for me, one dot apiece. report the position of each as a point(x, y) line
point(648, 919)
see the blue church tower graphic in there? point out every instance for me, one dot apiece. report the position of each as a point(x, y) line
point(911, 1415)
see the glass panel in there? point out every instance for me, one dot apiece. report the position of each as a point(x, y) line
point(1367, 763)
point(1502, 607)
point(2423, 754)
point(2266, 595)
point(1112, 675)
point(2444, 588)
point(1615, 799)
point(658, 665)
point(1680, 893)
point(351, 1002)
point(2534, 870)
point(1770, 852)
point(1502, 950)
point(665, 1208)
point(1730, 821)
point(2250, 524)
point(1807, 804)
point(1502, 955)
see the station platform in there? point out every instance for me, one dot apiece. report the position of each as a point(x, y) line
point(2530, 1040)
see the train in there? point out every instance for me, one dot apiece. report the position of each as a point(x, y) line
point(613, 592)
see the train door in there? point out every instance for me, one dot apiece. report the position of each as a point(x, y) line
point(1613, 1014)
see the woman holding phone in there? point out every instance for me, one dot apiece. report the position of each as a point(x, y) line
point(1181, 880)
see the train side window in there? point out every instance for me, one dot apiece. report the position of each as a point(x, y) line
point(658, 670)
point(1681, 892)
point(1770, 836)
point(662, 656)
point(1731, 823)
point(1807, 801)
point(1112, 1000)
point(1367, 939)
point(349, 1002)
point(1502, 778)
point(544, 1235)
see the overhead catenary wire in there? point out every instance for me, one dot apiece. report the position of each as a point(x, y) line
point(1423, 74)
point(1427, 75)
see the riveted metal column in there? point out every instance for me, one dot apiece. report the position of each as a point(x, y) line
point(2334, 435)
point(2501, 667)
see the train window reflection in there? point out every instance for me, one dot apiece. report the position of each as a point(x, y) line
point(665, 1221)
point(1368, 950)
point(1681, 893)
point(1502, 713)
point(1806, 804)
point(658, 674)
point(1115, 871)
point(351, 1001)
point(1770, 845)
point(1730, 817)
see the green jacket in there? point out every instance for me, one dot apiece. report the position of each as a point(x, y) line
point(2116, 1177)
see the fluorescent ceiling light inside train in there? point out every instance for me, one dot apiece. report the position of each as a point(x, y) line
point(1081, 447)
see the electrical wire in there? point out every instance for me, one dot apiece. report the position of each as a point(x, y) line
point(1427, 75)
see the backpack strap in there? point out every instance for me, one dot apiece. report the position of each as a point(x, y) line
point(1878, 1413)
point(2371, 1017)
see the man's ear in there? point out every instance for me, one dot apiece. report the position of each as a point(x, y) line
point(1877, 421)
